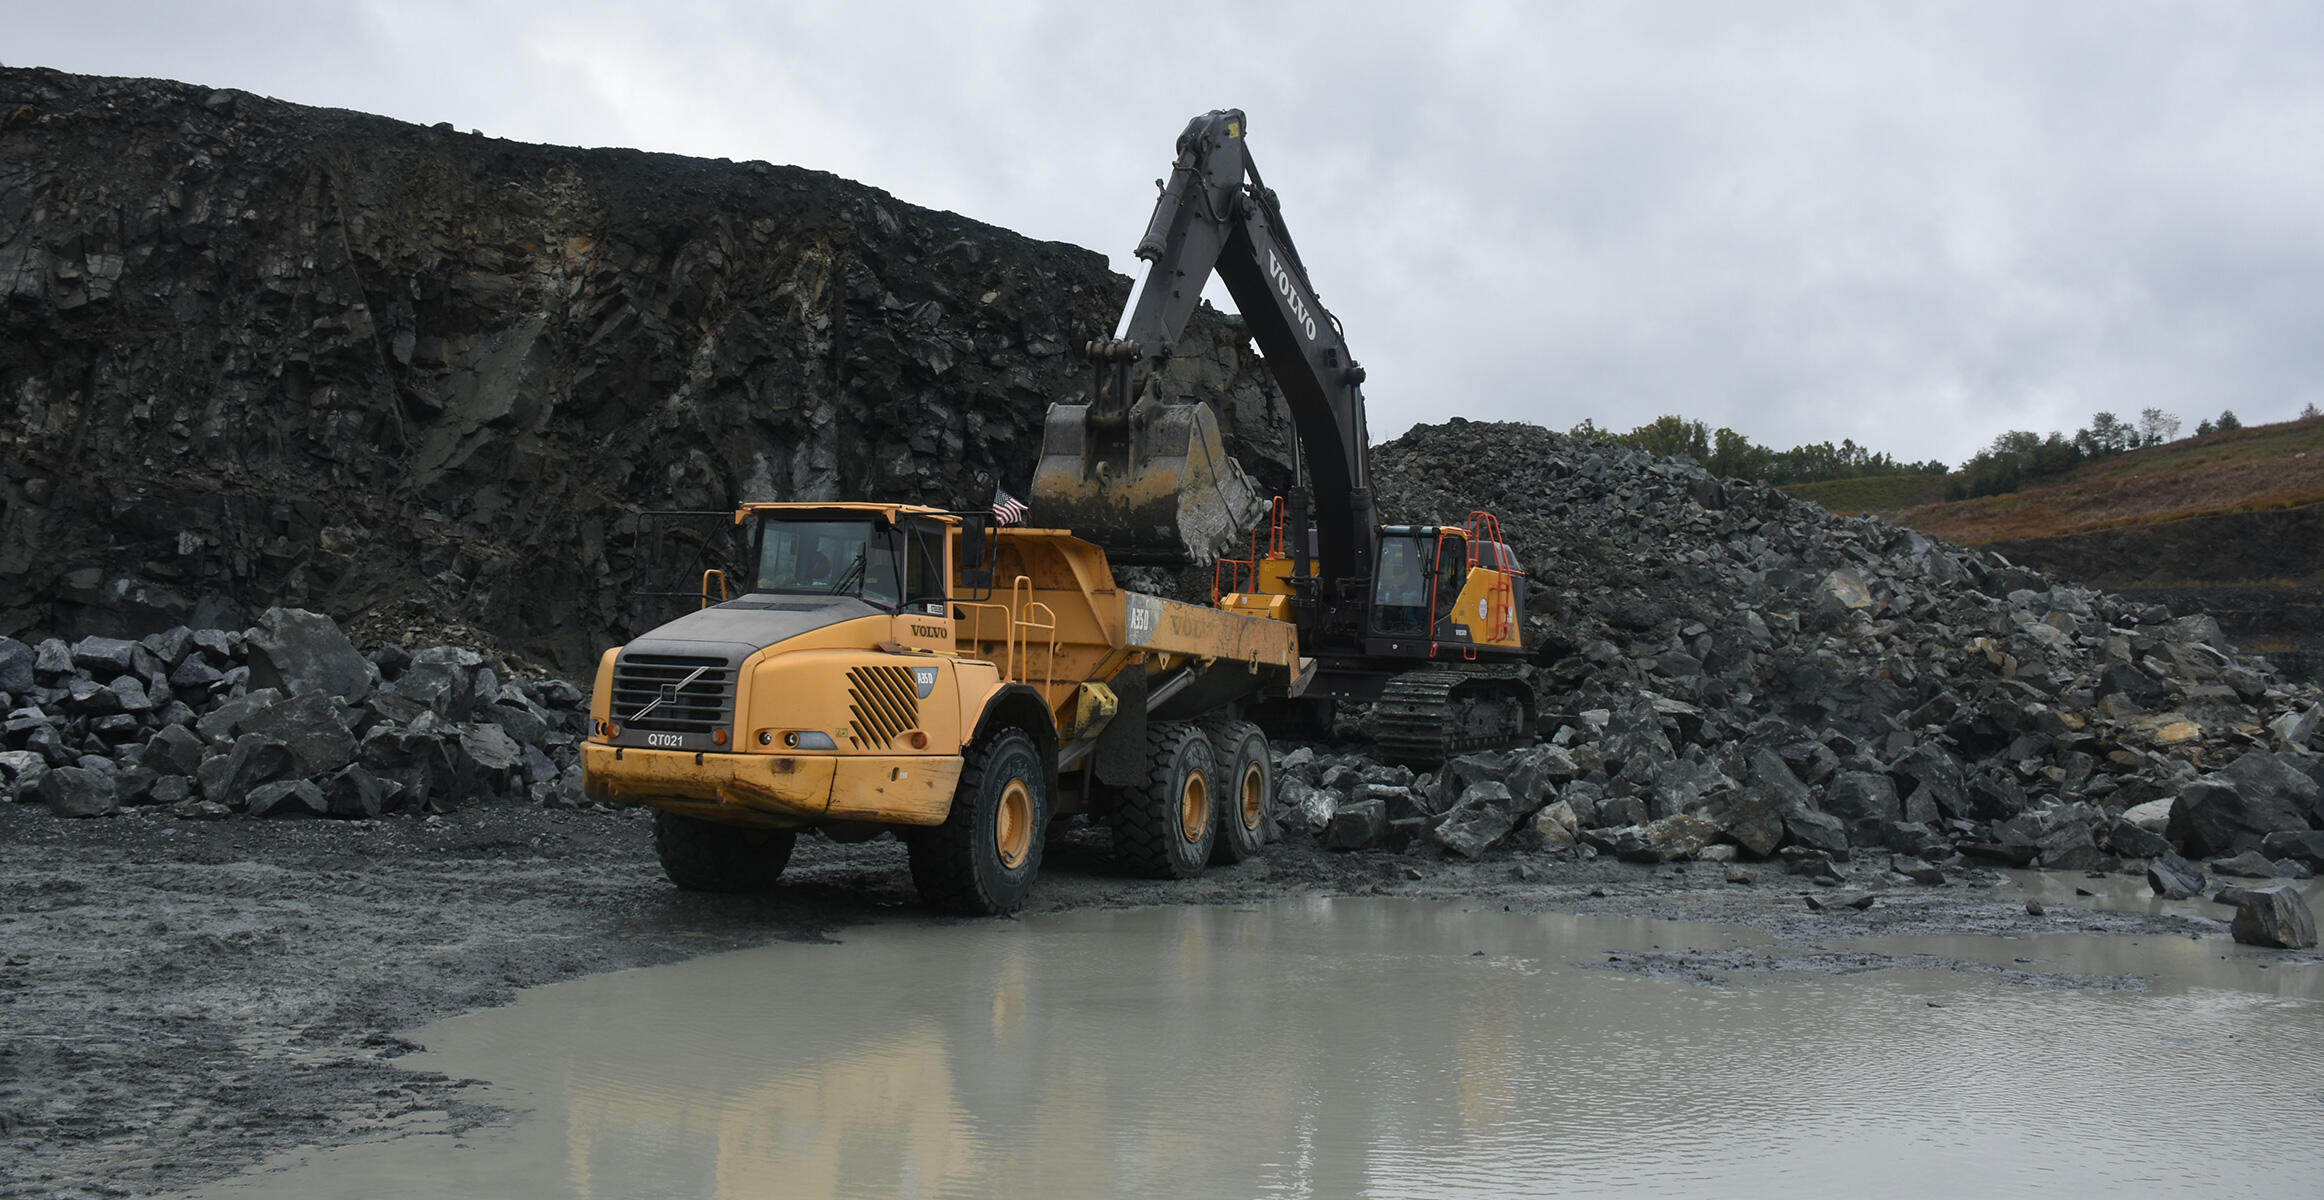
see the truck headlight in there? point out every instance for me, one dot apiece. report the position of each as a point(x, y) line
point(809, 739)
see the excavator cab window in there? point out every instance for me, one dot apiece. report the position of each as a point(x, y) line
point(1452, 571)
point(1400, 586)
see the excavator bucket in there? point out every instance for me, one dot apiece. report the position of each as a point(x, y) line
point(1153, 486)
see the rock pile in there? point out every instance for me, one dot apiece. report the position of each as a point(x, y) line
point(285, 718)
point(1753, 676)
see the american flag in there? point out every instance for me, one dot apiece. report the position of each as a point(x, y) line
point(1007, 509)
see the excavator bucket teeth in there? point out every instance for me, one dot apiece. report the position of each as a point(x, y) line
point(1158, 489)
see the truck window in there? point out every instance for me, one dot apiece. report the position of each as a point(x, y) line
point(828, 558)
point(924, 565)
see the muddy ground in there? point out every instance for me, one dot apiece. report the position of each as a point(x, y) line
point(180, 999)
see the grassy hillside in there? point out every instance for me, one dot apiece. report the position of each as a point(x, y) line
point(1886, 495)
point(2257, 469)
point(2242, 470)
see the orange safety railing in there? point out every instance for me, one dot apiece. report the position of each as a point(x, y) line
point(1242, 574)
point(1019, 619)
point(1484, 529)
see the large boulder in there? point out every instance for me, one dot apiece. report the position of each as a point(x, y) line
point(2174, 878)
point(2215, 815)
point(1356, 826)
point(16, 661)
point(301, 652)
point(2273, 916)
point(2277, 781)
point(1484, 814)
point(1865, 802)
point(1674, 838)
point(79, 792)
point(308, 724)
point(286, 798)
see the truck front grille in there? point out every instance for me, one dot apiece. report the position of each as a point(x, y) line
point(882, 702)
point(672, 693)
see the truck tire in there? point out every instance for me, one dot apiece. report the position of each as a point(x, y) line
point(981, 861)
point(1166, 829)
point(1246, 794)
point(713, 856)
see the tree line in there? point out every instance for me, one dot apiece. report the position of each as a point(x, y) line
point(2014, 460)
point(1725, 452)
point(2022, 457)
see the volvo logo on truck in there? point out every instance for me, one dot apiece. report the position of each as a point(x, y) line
point(1300, 313)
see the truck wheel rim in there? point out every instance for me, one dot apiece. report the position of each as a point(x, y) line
point(1194, 806)
point(1254, 795)
point(1013, 824)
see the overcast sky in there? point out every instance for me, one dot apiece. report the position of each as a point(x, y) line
point(1914, 225)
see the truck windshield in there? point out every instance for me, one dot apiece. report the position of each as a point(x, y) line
point(839, 558)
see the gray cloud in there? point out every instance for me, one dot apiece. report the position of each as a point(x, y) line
point(1912, 225)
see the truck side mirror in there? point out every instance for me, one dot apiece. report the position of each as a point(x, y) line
point(975, 575)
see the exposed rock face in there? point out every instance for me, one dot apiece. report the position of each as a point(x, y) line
point(255, 354)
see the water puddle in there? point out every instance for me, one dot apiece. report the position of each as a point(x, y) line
point(1376, 1048)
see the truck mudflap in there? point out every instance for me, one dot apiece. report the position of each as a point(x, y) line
point(779, 790)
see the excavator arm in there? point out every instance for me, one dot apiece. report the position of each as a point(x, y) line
point(1144, 475)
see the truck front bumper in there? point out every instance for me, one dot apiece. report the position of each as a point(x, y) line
point(782, 790)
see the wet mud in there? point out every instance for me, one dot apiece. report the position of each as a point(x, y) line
point(180, 1000)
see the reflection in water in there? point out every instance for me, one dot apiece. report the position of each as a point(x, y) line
point(1361, 1048)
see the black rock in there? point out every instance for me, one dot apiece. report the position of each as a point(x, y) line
point(354, 792)
point(2015, 854)
point(1918, 871)
point(255, 759)
point(2132, 841)
point(173, 750)
point(2251, 864)
point(286, 798)
point(2215, 816)
point(1484, 814)
point(16, 663)
point(2275, 916)
point(195, 676)
point(301, 652)
point(2299, 845)
point(1866, 803)
point(1818, 831)
point(104, 657)
point(308, 724)
point(2070, 847)
point(1356, 826)
point(52, 660)
point(169, 647)
point(2277, 783)
point(79, 792)
point(2174, 878)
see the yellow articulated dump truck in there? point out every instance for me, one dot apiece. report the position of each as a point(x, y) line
point(888, 668)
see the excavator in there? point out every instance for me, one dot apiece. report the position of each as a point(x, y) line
point(1423, 621)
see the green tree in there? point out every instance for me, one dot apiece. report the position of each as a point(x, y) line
point(2227, 420)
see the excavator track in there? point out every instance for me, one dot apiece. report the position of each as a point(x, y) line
point(1425, 717)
